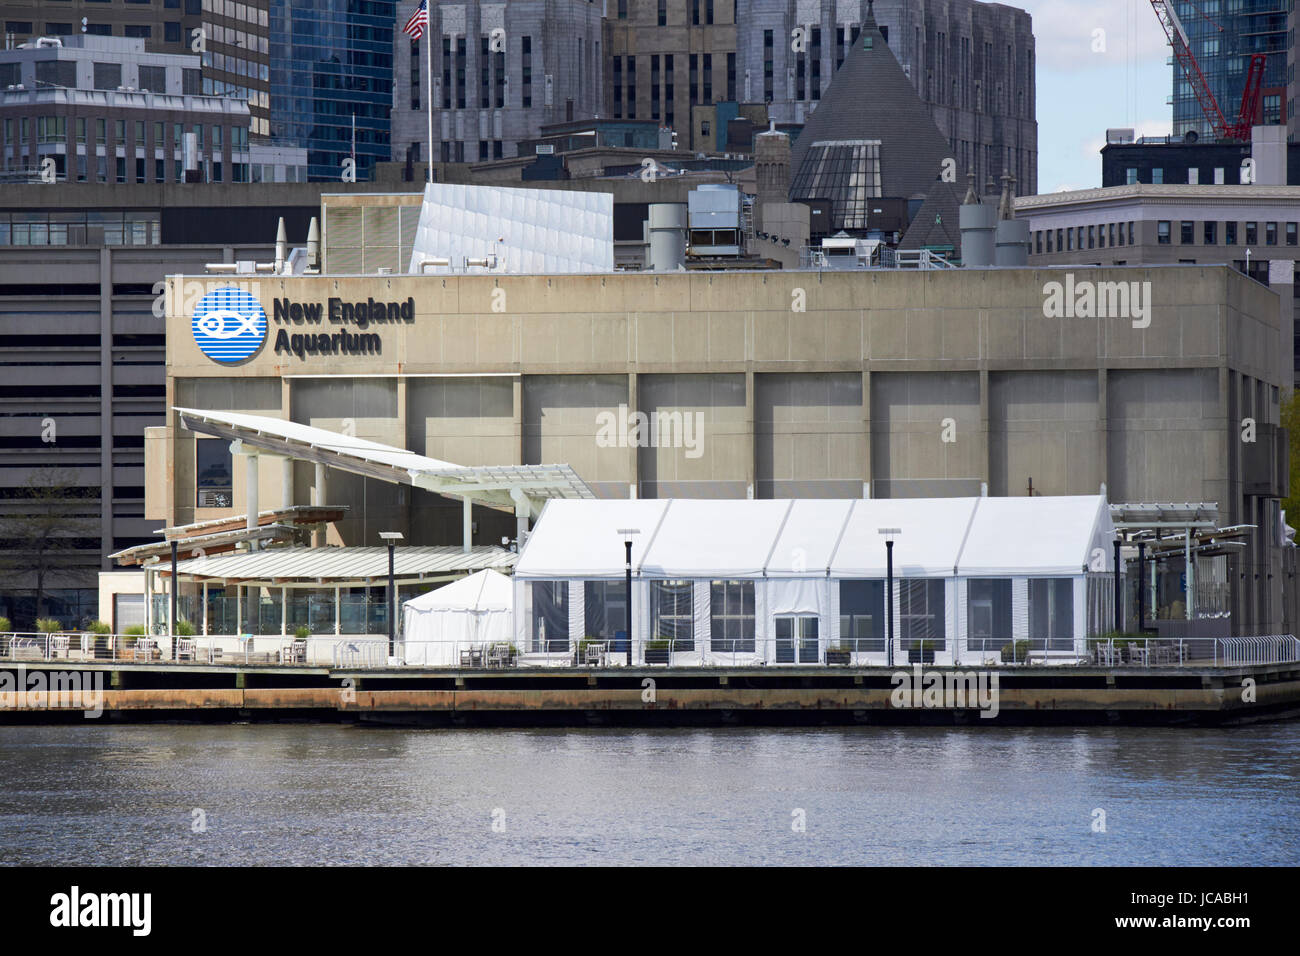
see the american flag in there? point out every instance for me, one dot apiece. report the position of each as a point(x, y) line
point(419, 20)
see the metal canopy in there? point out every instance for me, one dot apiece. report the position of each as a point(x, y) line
point(495, 486)
point(1138, 517)
point(339, 566)
point(208, 543)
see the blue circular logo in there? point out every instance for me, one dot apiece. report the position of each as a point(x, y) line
point(229, 325)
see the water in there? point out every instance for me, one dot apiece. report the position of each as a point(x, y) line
point(308, 794)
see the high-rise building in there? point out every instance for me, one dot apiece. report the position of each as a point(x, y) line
point(93, 109)
point(331, 82)
point(1222, 37)
point(166, 26)
point(665, 57)
point(236, 57)
point(501, 71)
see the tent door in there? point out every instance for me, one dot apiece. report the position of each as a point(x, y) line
point(796, 640)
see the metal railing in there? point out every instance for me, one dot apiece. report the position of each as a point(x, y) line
point(370, 652)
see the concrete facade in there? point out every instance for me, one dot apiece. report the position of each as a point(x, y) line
point(549, 69)
point(771, 384)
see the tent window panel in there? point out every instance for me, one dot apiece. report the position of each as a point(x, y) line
point(550, 616)
point(988, 613)
point(605, 609)
point(862, 615)
point(212, 466)
point(673, 614)
point(1051, 613)
point(921, 613)
point(731, 613)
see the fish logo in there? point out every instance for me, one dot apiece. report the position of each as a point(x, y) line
point(229, 325)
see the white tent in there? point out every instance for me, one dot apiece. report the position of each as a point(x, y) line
point(783, 581)
point(469, 613)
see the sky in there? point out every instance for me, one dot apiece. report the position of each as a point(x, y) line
point(1090, 81)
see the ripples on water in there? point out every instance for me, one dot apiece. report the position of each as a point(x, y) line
point(309, 794)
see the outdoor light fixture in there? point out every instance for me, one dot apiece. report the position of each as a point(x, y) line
point(890, 534)
point(392, 537)
point(627, 570)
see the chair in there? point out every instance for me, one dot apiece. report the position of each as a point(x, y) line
point(144, 648)
point(58, 645)
point(498, 654)
point(186, 649)
point(594, 654)
point(295, 653)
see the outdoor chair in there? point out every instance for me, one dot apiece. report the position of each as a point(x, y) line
point(498, 654)
point(295, 653)
point(144, 648)
point(58, 645)
point(594, 654)
point(186, 649)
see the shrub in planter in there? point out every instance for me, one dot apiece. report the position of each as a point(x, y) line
point(5, 624)
point(1017, 651)
point(48, 625)
point(839, 654)
point(922, 652)
point(184, 628)
point(99, 627)
point(302, 632)
point(657, 651)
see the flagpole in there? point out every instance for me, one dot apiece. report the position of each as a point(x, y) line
point(428, 68)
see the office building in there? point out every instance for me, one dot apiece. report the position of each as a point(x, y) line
point(501, 71)
point(165, 26)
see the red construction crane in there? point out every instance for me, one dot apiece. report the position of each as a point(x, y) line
point(1238, 130)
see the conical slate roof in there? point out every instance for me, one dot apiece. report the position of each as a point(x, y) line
point(869, 99)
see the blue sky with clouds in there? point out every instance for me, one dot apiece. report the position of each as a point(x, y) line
point(1089, 82)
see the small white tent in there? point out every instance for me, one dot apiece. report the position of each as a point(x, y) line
point(471, 612)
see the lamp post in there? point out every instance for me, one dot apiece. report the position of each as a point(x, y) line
point(392, 537)
point(1119, 594)
point(627, 572)
point(172, 628)
point(889, 534)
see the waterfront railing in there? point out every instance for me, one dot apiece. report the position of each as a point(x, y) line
point(364, 652)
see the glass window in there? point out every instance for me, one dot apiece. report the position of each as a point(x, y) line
point(1252, 233)
point(1051, 613)
point(1157, 176)
point(672, 616)
point(1162, 232)
point(1230, 233)
point(605, 612)
point(1290, 234)
point(1270, 234)
point(862, 615)
point(1210, 229)
point(988, 613)
point(213, 468)
point(731, 615)
point(1186, 232)
point(921, 613)
point(550, 623)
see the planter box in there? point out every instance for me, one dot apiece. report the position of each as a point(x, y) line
point(917, 656)
point(657, 655)
point(838, 657)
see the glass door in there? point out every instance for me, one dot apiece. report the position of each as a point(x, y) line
point(796, 640)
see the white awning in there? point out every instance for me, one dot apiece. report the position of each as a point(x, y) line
point(341, 565)
point(496, 486)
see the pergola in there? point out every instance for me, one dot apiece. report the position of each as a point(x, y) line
point(1167, 527)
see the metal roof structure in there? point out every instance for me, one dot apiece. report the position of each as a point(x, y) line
point(495, 486)
point(224, 534)
point(333, 566)
point(1154, 515)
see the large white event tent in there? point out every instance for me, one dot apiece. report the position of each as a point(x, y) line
point(784, 581)
point(470, 613)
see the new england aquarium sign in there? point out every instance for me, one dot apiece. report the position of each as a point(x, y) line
point(229, 325)
point(359, 315)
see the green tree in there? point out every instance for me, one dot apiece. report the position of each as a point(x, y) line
point(1291, 422)
point(44, 534)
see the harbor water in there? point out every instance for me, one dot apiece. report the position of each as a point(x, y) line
point(248, 794)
